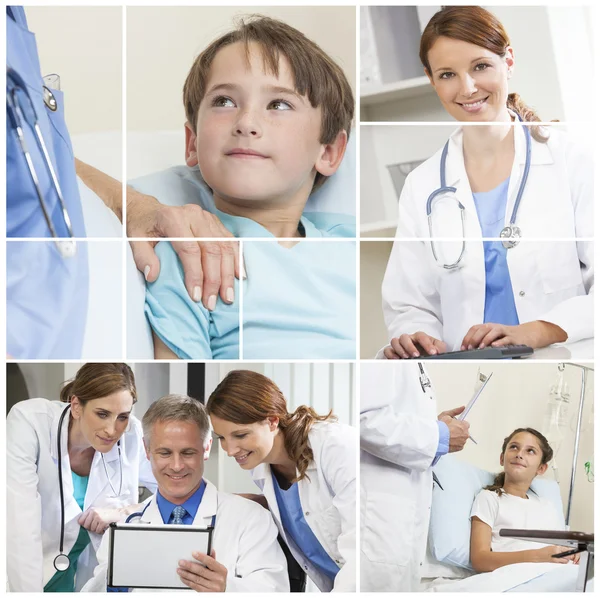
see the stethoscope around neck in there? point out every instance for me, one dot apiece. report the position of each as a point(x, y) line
point(18, 114)
point(510, 234)
point(62, 561)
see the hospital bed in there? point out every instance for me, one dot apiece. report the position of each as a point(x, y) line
point(447, 564)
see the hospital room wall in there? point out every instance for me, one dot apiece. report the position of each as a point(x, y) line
point(83, 45)
point(162, 43)
point(517, 396)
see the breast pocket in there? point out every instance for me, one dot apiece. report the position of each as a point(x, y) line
point(330, 524)
point(387, 534)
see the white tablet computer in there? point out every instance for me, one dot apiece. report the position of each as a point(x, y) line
point(142, 555)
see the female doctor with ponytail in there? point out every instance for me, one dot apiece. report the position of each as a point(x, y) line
point(305, 466)
point(525, 186)
point(73, 467)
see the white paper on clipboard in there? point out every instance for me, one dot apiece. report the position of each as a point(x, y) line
point(476, 396)
point(143, 555)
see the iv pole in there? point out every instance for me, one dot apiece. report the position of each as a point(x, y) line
point(584, 370)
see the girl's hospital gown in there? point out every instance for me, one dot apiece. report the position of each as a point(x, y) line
point(296, 303)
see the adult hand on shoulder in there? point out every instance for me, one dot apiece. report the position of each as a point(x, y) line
point(205, 574)
point(536, 334)
point(209, 266)
point(459, 430)
point(97, 519)
point(414, 345)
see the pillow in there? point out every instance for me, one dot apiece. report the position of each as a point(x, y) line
point(450, 523)
point(179, 185)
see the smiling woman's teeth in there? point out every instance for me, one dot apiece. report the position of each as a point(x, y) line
point(241, 459)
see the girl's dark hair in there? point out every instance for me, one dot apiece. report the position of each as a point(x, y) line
point(475, 25)
point(547, 453)
point(97, 380)
point(245, 397)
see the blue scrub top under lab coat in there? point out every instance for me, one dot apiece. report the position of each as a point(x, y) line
point(47, 294)
point(295, 526)
point(500, 305)
point(298, 302)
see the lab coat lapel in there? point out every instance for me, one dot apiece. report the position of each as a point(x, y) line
point(540, 154)
point(456, 176)
point(152, 513)
point(98, 482)
point(72, 509)
point(263, 473)
point(208, 506)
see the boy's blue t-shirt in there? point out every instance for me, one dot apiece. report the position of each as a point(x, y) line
point(297, 303)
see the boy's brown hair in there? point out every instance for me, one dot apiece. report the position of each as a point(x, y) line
point(315, 74)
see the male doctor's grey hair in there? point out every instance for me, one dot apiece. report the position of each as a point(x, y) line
point(176, 408)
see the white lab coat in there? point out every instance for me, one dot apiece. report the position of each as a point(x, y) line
point(328, 502)
point(399, 437)
point(32, 494)
point(552, 277)
point(244, 540)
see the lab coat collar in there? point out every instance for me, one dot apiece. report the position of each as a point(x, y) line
point(540, 153)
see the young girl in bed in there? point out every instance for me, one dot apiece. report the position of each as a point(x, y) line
point(510, 503)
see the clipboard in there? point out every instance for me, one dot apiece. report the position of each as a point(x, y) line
point(476, 396)
point(143, 555)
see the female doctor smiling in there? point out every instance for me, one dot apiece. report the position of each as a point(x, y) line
point(305, 465)
point(499, 179)
point(97, 443)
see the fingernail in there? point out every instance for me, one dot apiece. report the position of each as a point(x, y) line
point(212, 302)
point(197, 294)
point(230, 295)
point(462, 347)
point(415, 354)
point(470, 347)
point(146, 272)
point(481, 346)
point(432, 352)
point(181, 563)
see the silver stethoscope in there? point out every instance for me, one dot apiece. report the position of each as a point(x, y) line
point(62, 561)
point(510, 234)
point(19, 114)
point(423, 378)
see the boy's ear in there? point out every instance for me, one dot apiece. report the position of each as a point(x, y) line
point(191, 157)
point(542, 469)
point(332, 154)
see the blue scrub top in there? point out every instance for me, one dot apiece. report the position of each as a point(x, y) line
point(298, 302)
point(47, 295)
point(500, 305)
point(295, 526)
point(24, 216)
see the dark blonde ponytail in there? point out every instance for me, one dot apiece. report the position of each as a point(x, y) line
point(528, 115)
point(246, 397)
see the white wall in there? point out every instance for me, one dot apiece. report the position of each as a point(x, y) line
point(162, 43)
point(84, 46)
point(516, 397)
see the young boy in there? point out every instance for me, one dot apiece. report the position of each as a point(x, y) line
point(268, 119)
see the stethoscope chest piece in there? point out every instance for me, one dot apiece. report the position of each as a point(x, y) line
point(510, 235)
point(62, 562)
point(50, 100)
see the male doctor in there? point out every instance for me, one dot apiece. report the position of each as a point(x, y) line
point(401, 436)
point(246, 556)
